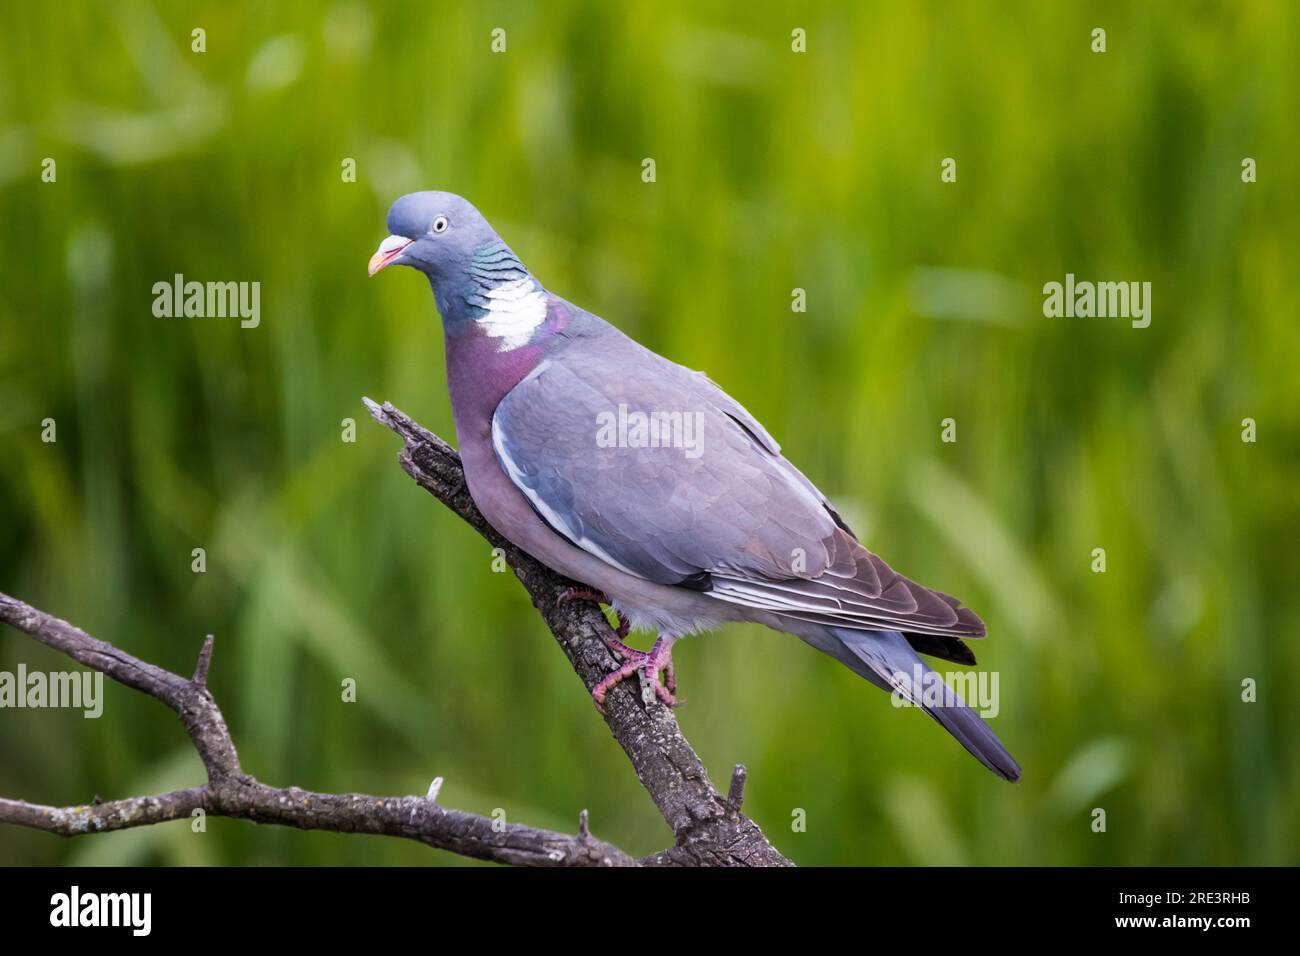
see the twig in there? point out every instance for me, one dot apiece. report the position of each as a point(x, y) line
point(230, 792)
point(205, 661)
point(736, 792)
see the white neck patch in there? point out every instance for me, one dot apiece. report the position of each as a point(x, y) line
point(513, 311)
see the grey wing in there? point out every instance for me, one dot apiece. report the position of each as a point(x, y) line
point(718, 509)
point(708, 502)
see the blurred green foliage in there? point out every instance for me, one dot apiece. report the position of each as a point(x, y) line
point(775, 170)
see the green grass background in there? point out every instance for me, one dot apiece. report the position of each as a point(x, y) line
point(775, 170)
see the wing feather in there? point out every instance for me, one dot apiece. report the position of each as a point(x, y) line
point(736, 519)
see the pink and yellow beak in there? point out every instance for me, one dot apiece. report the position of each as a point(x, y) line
point(388, 250)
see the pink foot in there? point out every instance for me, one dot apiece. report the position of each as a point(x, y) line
point(659, 658)
point(596, 597)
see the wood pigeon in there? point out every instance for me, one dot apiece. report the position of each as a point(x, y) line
point(648, 483)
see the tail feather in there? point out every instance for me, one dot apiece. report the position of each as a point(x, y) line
point(887, 660)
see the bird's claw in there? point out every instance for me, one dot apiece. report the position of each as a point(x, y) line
point(582, 594)
point(650, 663)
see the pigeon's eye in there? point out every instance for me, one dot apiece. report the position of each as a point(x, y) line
point(439, 225)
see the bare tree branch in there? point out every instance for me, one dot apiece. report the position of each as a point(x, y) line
point(191, 701)
point(709, 829)
point(230, 792)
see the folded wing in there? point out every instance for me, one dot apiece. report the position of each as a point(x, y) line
point(668, 478)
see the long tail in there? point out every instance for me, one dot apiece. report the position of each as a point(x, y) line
point(888, 661)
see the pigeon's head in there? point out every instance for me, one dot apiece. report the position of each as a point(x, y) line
point(434, 232)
